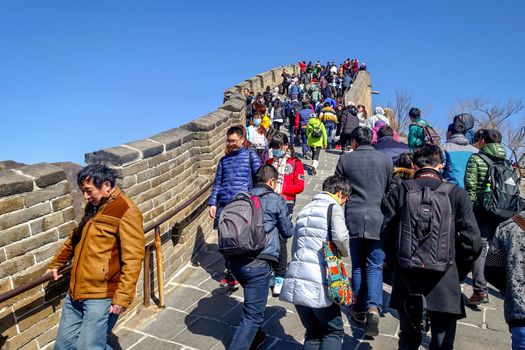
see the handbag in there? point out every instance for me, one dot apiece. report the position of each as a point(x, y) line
point(338, 288)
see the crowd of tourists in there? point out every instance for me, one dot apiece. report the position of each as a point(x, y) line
point(421, 215)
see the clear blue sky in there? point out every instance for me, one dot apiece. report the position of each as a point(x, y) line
point(78, 76)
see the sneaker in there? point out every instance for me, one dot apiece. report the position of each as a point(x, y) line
point(259, 339)
point(359, 317)
point(478, 298)
point(272, 281)
point(233, 284)
point(278, 286)
point(224, 280)
point(372, 322)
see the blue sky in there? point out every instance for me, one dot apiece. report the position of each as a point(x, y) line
point(78, 76)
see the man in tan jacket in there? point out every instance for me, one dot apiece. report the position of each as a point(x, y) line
point(107, 249)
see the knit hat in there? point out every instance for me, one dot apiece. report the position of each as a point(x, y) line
point(379, 110)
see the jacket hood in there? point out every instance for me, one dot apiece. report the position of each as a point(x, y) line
point(459, 139)
point(404, 173)
point(495, 151)
point(380, 110)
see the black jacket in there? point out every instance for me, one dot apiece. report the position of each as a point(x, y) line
point(441, 289)
point(349, 120)
point(391, 148)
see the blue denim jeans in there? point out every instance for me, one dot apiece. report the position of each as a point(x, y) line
point(84, 325)
point(291, 130)
point(518, 338)
point(304, 141)
point(324, 327)
point(367, 273)
point(254, 277)
point(329, 126)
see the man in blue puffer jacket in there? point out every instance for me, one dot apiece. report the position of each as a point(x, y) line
point(254, 272)
point(235, 173)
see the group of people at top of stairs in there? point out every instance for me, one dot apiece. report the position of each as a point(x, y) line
point(420, 215)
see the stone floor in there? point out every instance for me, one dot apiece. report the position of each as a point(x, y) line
point(200, 315)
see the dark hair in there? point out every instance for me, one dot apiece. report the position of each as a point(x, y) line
point(362, 135)
point(335, 183)
point(280, 139)
point(327, 104)
point(414, 113)
point(265, 173)
point(456, 128)
point(478, 135)
point(427, 156)
point(271, 132)
point(97, 173)
point(405, 161)
point(306, 104)
point(237, 129)
point(385, 130)
point(491, 136)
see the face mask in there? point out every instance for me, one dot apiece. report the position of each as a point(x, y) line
point(277, 153)
point(257, 122)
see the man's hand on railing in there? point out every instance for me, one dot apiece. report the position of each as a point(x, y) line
point(54, 272)
point(212, 211)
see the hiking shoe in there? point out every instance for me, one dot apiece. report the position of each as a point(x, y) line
point(478, 298)
point(372, 322)
point(226, 279)
point(359, 317)
point(259, 339)
point(233, 284)
point(278, 286)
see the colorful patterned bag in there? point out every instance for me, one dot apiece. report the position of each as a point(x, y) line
point(338, 287)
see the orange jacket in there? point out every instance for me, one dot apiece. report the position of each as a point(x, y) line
point(107, 249)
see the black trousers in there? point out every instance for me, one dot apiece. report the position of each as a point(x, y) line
point(442, 328)
point(345, 140)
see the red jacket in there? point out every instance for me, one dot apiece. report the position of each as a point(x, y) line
point(293, 182)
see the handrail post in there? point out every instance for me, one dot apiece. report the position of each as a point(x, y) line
point(147, 280)
point(160, 272)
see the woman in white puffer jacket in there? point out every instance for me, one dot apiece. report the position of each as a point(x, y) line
point(304, 284)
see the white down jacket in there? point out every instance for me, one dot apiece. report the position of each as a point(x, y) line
point(304, 283)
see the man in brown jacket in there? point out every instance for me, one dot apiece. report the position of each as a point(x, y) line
point(107, 249)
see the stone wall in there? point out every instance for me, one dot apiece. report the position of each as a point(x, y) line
point(158, 173)
point(36, 214)
point(360, 93)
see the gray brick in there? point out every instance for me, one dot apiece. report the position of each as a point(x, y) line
point(61, 202)
point(173, 138)
point(66, 229)
point(233, 105)
point(11, 204)
point(12, 182)
point(115, 155)
point(12, 266)
point(147, 147)
point(24, 215)
point(14, 234)
point(31, 243)
point(45, 174)
point(130, 169)
point(53, 220)
point(45, 194)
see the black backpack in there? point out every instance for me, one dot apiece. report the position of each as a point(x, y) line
point(316, 131)
point(426, 240)
point(241, 226)
point(502, 199)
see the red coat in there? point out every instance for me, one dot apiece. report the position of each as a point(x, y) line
point(293, 182)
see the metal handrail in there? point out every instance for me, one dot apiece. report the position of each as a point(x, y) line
point(155, 244)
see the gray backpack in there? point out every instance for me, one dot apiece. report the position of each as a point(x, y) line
point(241, 226)
point(426, 239)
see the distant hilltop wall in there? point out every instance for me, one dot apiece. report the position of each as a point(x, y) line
point(158, 173)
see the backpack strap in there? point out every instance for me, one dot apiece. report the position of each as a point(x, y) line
point(486, 158)
point(519, 221)
point(329, 218)
point(445, 187)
